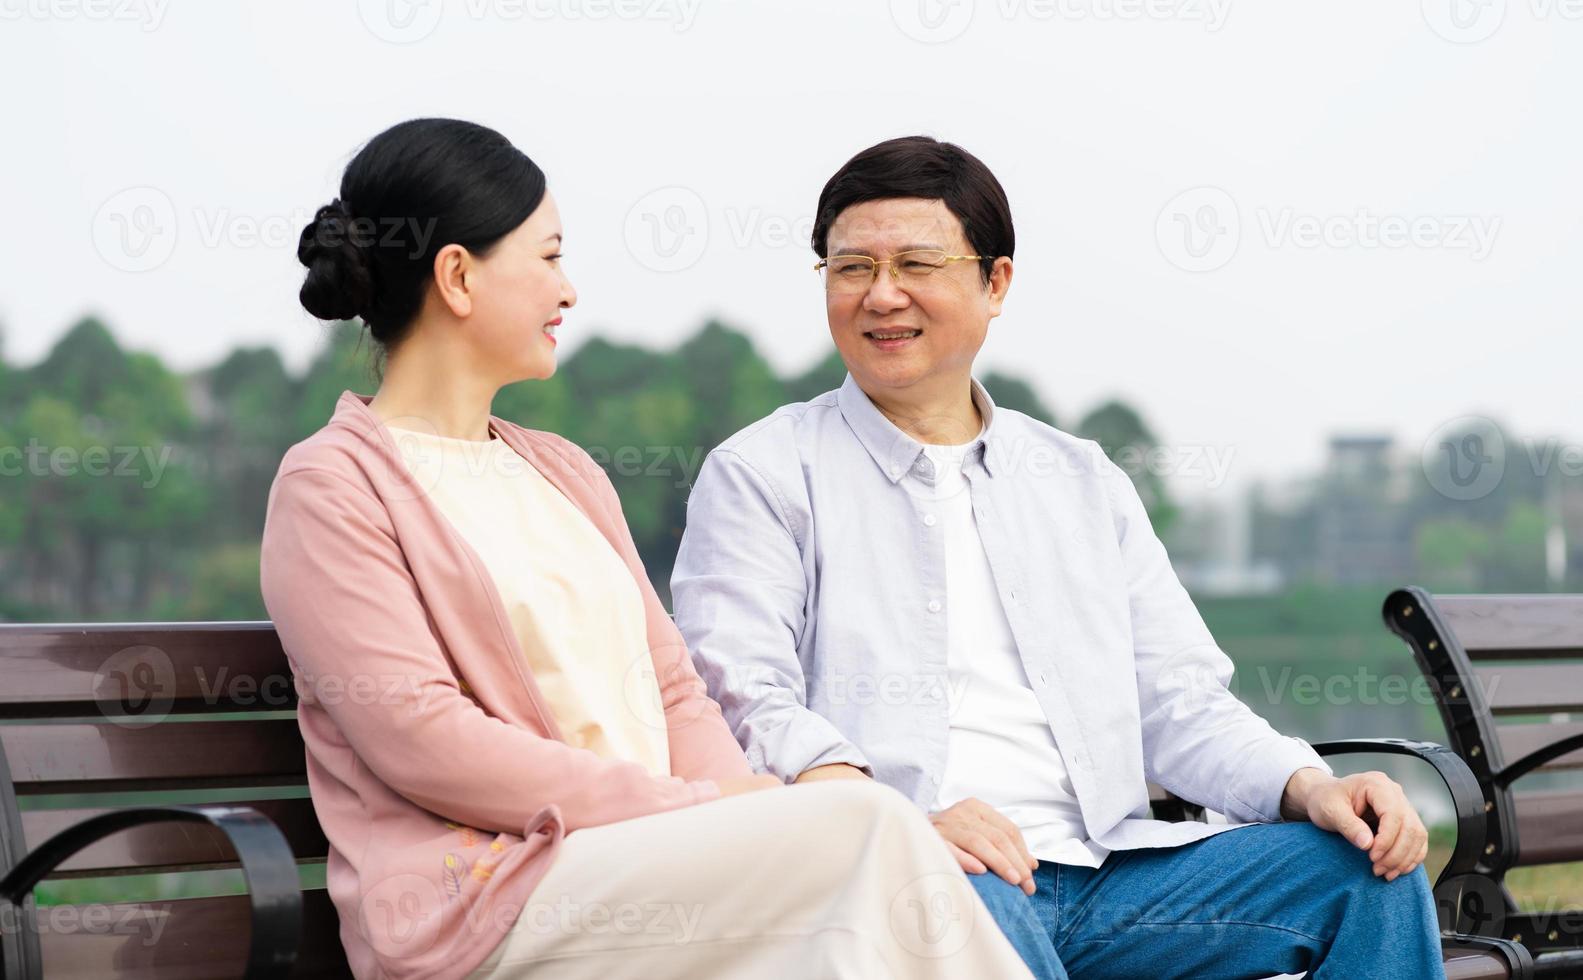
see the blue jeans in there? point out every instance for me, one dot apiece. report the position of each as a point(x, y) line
point(1246, 903)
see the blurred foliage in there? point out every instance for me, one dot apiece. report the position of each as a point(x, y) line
point(139, 493)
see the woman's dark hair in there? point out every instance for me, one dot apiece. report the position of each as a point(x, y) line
point(920, 166)
point(410, 191)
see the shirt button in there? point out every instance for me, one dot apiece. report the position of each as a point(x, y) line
point(1042, 679)
point(934, 605)
point(928, 520)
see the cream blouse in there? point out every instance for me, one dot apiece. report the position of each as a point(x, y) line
point(573, 603)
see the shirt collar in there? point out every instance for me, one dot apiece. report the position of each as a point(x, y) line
point(894, 450)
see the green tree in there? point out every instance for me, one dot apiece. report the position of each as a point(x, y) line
point(1017, 395)
point(828, 374)
point(345, 362)
point(1450, 551)
point(1516, 560)
point(1128, 441)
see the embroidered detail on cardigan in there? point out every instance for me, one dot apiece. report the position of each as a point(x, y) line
point(453, 877)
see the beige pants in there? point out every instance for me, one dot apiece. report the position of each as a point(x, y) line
point(833, 879)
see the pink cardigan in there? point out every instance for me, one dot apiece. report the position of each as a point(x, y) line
point(442, 782)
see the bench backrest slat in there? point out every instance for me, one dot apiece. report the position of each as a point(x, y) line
point(1511, 689)
point(163, 847)
point(52, 757)
point(62, 670)
point(197, 937)
point(1549, 826)
point(1504, 627)
point(1518, 741)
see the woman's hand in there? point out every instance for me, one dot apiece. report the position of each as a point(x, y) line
point(738, 785)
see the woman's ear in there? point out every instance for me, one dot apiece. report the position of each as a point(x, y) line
point(453, 275)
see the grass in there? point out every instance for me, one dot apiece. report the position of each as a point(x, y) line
point(1542, 888)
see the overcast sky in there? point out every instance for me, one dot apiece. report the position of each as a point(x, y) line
point(1263, 223)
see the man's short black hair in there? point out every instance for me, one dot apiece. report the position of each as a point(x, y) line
point(921, 166)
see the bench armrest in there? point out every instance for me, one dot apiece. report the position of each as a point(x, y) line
point(1518, 961)
point(1466, 900)
point(1466, 796)
point(268, 865)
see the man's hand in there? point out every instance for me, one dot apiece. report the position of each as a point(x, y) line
point(836, 770)
point(983, 840)
point(1367, 808)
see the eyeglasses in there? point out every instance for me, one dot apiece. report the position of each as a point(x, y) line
point(856, 273)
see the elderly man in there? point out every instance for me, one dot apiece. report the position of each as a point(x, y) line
point(899, 581)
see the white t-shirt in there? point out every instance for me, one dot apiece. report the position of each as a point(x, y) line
point(1001, 748)
point(574, 606)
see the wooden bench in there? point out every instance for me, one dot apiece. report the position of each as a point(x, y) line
point(1507, 672)
point(202, 713)
point(206, 712)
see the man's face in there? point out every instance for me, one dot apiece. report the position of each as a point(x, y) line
point(943, 316)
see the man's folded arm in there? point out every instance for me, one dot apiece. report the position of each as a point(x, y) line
point(740, 597)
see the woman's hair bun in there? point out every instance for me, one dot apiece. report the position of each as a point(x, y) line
point(448, 181)
point(339, 284)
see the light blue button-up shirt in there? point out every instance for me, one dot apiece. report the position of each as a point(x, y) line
point(810, 588)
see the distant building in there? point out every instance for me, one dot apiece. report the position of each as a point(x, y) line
point(1210, 548)
point(1362, 533)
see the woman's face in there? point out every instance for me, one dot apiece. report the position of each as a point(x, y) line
point(518, 296)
